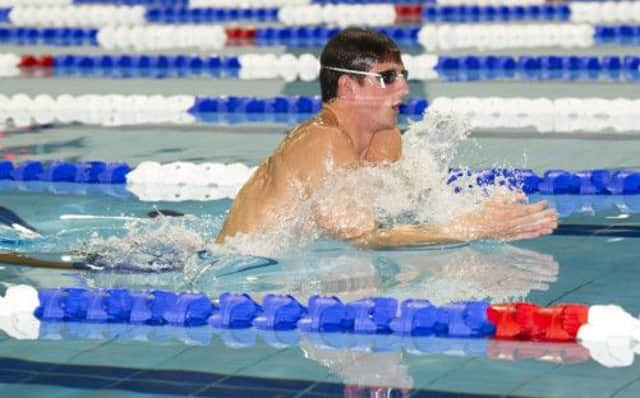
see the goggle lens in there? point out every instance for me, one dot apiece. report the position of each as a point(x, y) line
point(390, 76)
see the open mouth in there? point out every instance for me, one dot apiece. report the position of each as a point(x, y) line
point(396, 107)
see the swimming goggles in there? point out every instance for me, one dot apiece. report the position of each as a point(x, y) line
point(385, 78)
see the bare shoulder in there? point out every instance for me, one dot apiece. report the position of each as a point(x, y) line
point(313, 151)
point(317, 144)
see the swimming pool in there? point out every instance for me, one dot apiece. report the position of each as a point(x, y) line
point(592, 260)
point(168, 360)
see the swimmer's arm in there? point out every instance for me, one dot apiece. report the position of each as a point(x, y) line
point(497, 221)
point(405, 235)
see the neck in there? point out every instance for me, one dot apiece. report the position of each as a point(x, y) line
point(354, 124)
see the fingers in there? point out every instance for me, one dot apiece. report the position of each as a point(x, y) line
point(534, 225)
point(532, 231)
point(515, 209)
point(542, 217)
point(509, 220)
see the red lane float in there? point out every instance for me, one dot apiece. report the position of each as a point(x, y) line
point(527, 321)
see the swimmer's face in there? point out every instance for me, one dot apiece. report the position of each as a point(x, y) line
point(382, 104)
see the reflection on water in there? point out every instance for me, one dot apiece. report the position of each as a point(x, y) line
point(379, 369)
point(499, 272)
point(174, 248)
point(387, 368)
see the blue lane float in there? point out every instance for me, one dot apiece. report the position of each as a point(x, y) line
point(555, 181)
point(300, 37)
point(156, 66)
point(503, 13)
point(618, 35)
point(185, 3)
point(91, 172)
point(449, 68)
point(277, 312)
point(146, 3)
point(289, 110)
point(67, 188)
point(255, 109)
point(479, 320)
point(4, 15)
point(558, 182)
point(210, 15)
point(546, 67)
point(30, 36)
point(364, 2)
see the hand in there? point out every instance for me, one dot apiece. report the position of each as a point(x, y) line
point(505, 218)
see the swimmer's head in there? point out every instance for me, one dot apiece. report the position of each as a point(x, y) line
point(355, 49)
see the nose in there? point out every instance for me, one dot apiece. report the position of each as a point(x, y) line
point(403, 87)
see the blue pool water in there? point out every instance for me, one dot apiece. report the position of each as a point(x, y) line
point(593, 260)
point(126, 360)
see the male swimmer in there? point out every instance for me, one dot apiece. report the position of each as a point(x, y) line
point(363, 82)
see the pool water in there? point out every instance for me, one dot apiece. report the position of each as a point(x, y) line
point(126, 360)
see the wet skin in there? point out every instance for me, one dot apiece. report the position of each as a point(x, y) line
point(358, 128)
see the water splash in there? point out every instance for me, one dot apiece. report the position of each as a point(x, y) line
point(160, 244)
point(415, 189)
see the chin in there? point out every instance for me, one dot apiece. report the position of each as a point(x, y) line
point(393, 123)
point(389, 122)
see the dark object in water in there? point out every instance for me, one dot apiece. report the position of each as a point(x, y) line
point(91, 263)
point(21, 259)
point(95, 262)
point(164, 212)
point(613, 231)
point(15, 222)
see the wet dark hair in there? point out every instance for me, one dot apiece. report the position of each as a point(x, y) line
point(354, 48)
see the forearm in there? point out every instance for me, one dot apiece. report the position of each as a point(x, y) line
point(409, 235)
point(499, 221)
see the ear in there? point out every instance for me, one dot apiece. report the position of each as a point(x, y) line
point(345, 86)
